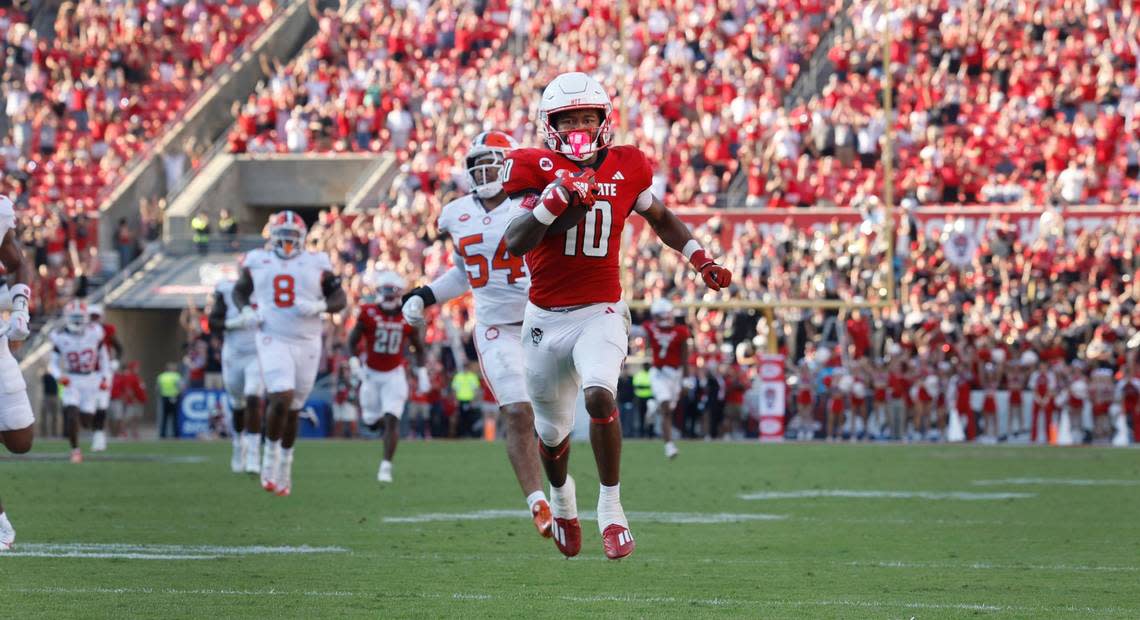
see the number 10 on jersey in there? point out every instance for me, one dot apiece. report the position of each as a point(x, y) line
point(592, 234)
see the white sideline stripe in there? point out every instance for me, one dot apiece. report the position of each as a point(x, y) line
point(154, 552)
point(597, 598)
point(651, 517)
point(857, 494)
point(1074, 482)
point(103, 555)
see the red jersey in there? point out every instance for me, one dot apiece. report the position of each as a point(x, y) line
point(581, 266)
point(384, 336)
point(108, 336)
point(665, 342)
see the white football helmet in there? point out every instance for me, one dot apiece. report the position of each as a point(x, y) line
point(492, 146)
point(662, 310)
point(575, 91)
point(1080, 389)
point(388, 286)
point(1029, 358)
point(76, 316)
point(287, 234)
point(96, 312)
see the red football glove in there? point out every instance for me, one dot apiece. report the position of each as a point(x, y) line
point(103, 384)
point(556, 197)
point(582, 183)
point(715, 276)
point(64, 381)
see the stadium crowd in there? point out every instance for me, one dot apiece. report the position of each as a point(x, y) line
point(422, 82)
point(84, 101)
point(1008, 102)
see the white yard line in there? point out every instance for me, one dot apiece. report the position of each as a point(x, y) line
point(700, 518)
point(965, 496)
point(153, 552)
point(1073, 482)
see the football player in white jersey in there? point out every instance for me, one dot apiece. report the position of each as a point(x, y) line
point(16, 419)
point(291, 288)
point(241, 376)
point(499, 282)
point(77, 361)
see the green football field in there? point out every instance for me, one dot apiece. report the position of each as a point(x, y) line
point(726, 530)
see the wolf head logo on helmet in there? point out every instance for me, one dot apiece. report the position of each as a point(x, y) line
point(575, 91)
point(287, 234)
point(485, 160)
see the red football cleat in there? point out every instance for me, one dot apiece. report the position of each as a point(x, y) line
point(618, 542)
point(283, 491)
point(567, 534)
point(542, 519)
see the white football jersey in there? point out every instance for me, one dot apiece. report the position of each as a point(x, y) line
point(278, 283)
point(81, 353)
point(240, 340)
point(499, 280)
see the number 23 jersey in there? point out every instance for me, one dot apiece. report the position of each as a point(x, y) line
point(581, 266)
point(384, 337)
point(279, 283)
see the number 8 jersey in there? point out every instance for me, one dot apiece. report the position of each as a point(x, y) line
point(279, 283)
point(581, 266)
point(384, 337)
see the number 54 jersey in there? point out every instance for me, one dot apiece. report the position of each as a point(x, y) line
point(279, 283)
point(499, 280)
point(581, 266)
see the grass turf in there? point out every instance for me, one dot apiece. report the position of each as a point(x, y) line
point(1064, 551)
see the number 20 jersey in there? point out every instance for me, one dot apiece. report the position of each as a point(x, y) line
point(384, 337)
point(278, 283)
point(581, 266)
point(499, 280)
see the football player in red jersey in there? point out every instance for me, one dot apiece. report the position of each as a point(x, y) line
point(576, 327)
point(384, 383)
point(668, 342)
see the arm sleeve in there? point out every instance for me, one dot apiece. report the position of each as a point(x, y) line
point(451, 284)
